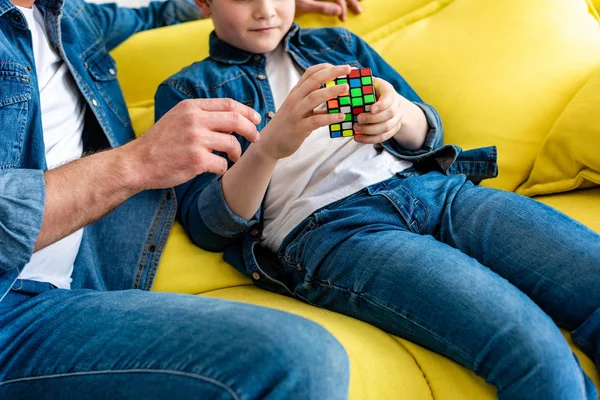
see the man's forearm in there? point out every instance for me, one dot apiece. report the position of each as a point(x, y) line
point(83, 191)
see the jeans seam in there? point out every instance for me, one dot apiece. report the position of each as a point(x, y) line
point(125, 371)
point(326, 284)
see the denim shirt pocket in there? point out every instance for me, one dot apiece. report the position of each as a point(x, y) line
point(15, 94)
point(103, 70)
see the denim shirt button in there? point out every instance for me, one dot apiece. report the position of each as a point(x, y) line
point(257, 57)
point(256, 276)
point(261, 77)
point(94, 103)
point(112, 72)
point(152, 248)
point(270, 114)
point(298, 267)
point(254, 232)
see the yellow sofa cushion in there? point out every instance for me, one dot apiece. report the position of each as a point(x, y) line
point(570, 155)
point(499, 71)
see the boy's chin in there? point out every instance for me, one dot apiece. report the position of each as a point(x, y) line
point(261, 49)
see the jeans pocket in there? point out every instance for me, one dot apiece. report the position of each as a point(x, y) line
point(411, 209)
point(294, 250)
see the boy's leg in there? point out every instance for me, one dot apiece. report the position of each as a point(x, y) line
point(134, 344)
point(552, 258)
point(364, 258)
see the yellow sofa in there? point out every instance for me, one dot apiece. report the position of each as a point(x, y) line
point(518, 74)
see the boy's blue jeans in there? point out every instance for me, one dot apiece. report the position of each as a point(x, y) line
point(479, 275)
point(61, 344)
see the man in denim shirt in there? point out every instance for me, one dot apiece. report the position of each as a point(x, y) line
point(76, 235)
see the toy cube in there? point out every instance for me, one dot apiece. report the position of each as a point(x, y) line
point(359, 99)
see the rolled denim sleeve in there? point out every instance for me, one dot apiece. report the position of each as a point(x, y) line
point(119, 23)
point(22, 199)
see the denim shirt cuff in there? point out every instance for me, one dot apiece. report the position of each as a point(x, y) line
point(433, 139)
point(216, 214)
point(22, 201)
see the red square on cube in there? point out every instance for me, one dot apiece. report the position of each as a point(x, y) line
point(365, 72)
point(367, 89)
point(358, 110)
point(354, 74)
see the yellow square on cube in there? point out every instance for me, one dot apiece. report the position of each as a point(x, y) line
point(329, 84)
point(347, 133)
point(336, 127)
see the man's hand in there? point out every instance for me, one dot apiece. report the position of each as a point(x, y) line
point(337, 8)
point(181, 144)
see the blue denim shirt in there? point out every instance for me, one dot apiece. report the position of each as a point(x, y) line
point(121, 250)
point(234, 73)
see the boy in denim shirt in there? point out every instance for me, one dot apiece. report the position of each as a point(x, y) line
point(388, 226)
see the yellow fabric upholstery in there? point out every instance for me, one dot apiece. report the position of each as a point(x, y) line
point(504, 72)
point(570, 155)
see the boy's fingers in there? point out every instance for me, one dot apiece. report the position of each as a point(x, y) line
point(211, 105)
point(366, 139)
point(311, 71)
point(385, 96)
point(382, 116)
point(321, 120)
point(321, 77)
point(320, 96)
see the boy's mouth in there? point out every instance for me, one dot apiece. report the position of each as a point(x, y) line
point(263, 30)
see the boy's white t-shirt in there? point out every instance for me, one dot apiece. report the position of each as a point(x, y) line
point(321, 171)
point(63, 112)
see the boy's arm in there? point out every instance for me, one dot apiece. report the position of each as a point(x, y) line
point(119, 23)
point(202, 208)
point(369, 58)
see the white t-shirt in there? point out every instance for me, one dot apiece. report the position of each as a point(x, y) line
point(63, 112)
point(321, 171)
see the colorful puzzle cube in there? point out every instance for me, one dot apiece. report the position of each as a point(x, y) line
point(358, 100)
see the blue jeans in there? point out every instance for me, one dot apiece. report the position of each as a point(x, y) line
point(85, 344)
point(479, 275)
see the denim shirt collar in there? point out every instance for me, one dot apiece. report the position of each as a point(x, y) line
point(7, 5)
point(222, 51)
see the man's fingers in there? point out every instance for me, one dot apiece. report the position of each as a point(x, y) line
point(210, 105)
point(228, 122)
point(320, 7)
point(209, 162)
point(354, 6)
point(344, 8)
point(222, 142)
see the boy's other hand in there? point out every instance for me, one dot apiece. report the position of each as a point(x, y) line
point(337, 8)
point(392, 116)
point(297, 119)
point(181, 144)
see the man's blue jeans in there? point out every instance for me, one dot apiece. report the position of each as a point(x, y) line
point(479, 275)
point(61, 344)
